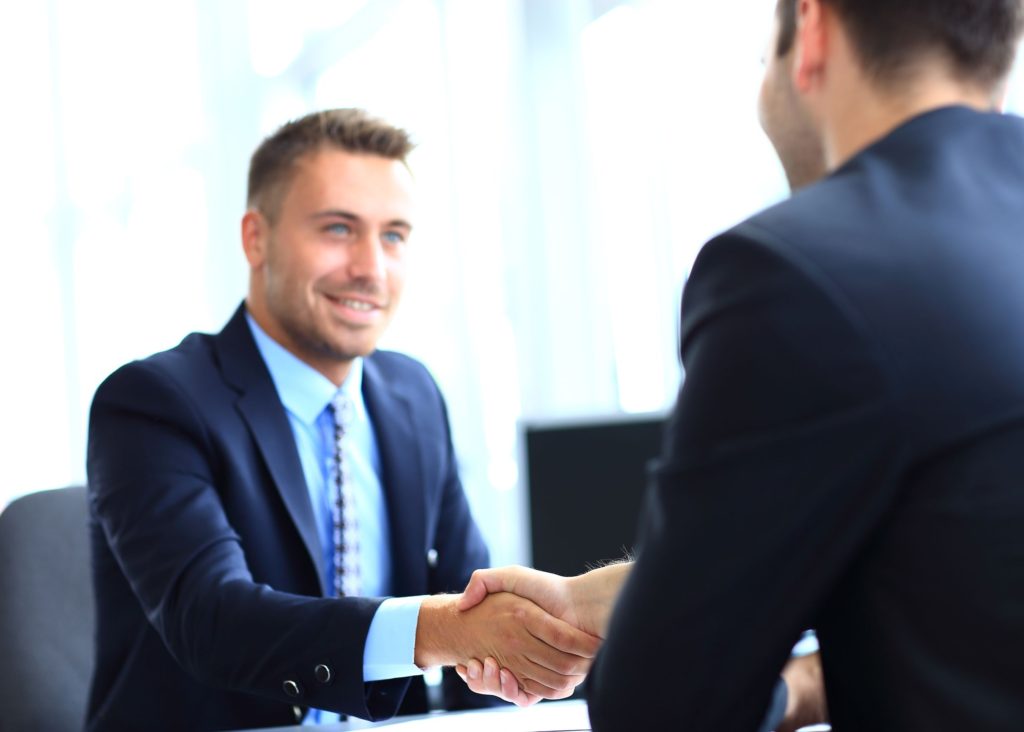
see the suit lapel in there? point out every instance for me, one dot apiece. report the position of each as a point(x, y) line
point(402, 462)
point(261, 408)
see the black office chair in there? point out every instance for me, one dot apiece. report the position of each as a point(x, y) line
point(46, 611)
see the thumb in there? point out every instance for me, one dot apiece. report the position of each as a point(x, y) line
point(481, 583)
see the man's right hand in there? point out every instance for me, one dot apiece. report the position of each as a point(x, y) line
point(548, 656)
point(585, 601)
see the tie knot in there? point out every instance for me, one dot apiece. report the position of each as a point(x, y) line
point(341, 408)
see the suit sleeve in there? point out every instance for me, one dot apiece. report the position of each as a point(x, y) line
point(773, 476)
point(152, 477)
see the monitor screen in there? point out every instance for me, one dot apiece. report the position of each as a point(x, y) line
point(586, 481)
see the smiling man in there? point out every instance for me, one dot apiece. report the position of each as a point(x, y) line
point(327, 254)
point(272, 503)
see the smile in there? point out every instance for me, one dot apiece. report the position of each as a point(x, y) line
point(357, 305)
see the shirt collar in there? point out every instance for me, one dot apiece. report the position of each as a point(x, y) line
point(303, 390)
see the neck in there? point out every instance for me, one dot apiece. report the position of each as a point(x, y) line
point(868, 114)
point(334, 369)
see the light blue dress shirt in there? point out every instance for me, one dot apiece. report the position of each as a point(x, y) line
point(306, 394)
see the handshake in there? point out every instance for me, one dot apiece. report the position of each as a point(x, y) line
point(518, 633)
point(525, 635)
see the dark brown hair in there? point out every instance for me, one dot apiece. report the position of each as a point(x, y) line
point(979, 37)
point(352, 130)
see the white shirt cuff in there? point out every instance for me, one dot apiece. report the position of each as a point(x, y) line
point(390, 648)
point(806, 645)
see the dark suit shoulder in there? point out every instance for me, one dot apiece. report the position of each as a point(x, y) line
point(815, 224)
point(189, 363)
point(395, 362)
point(399, 370)
point(765, 263)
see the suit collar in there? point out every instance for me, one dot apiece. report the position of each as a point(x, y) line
point(260, 406)
point(390, 403)
point(304, 391)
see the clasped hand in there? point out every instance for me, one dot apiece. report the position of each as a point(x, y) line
point(547, 656)
point(567, 599)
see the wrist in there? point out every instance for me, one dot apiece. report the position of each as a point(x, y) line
point(806, 702)
point(435, 632)
point(594, 594)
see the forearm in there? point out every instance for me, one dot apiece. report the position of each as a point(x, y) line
point(806, 704)
point(594, 595)
point(436, 637)
point(211, 632)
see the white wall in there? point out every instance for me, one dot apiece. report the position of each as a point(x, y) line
point(571, 163)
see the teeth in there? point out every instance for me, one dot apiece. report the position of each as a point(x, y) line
point(357, 305)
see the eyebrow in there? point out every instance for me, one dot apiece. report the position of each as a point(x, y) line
point(336, 213)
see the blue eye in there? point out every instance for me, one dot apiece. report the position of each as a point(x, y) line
point(393, 237)
point(339, 229)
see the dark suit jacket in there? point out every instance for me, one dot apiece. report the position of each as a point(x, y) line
point(206, 563)
point(847, 453)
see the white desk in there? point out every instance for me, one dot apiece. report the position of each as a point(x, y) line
point(564, 716)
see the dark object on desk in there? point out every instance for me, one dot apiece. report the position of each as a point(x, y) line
point(46, 611)
point(586, 480)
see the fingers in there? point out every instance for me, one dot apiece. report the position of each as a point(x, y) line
point(474, 593)
point(534, 667)
point(505, 684)
point(488, 678)
point(561, 636)
point(532, 688)
point(472, 673)
point(511, 690)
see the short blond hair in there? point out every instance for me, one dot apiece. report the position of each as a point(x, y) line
point(352, 130)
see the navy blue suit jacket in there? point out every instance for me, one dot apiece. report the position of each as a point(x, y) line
point(847, 454)
point(206, 559)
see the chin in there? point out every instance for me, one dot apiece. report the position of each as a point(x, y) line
point(349, 351)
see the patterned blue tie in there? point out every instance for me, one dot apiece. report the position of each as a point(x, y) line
point(343, 508)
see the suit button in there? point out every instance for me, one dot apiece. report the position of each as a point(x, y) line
point(299, 713)
point(322, 673)
point(291, 688)
point(432, 559)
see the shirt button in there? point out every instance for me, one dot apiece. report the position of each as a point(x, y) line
point(432, 558)
point(322, 673)
point(291, 688)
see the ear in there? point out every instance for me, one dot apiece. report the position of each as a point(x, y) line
point(811, 45)
point(255, 231)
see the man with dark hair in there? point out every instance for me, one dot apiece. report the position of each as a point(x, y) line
point(257, 493)
point(847, 449)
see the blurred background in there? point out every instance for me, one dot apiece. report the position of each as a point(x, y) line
point(573, 156)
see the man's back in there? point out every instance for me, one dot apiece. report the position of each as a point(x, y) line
point(920, 239)
point(846, 454)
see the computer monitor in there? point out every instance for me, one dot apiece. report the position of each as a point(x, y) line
point(586, 480)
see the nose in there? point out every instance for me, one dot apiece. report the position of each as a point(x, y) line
point(367, 258)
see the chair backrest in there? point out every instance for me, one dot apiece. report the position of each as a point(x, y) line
point(46, 611)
